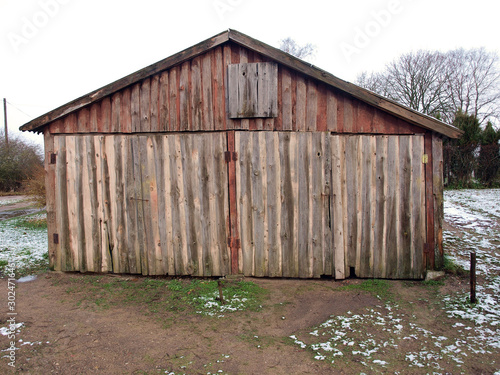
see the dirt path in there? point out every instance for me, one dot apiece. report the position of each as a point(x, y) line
point(22, 205)
point(68, 329)
point(66, 337)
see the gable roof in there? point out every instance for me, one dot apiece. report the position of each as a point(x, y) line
point(275, 54)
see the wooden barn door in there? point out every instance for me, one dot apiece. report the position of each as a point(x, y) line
point(150, 204)
point(312, 204)
point(283, 190)
point(378, 204)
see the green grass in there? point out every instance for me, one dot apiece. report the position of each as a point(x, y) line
point(33, 222)
point(164, 295)
point(377, 288)
point(452, 268)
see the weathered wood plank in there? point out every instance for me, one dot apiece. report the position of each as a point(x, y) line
point(155, 181)
point(168, 178)
point(83, 120)
point(160, 226)
point(135, 115)
point(321, 120)
point(220, 180)
point(181, 255)
point(70, 124)
point(366, 187)
point(393, 220)
point(317, 218)
point(91, 203)
point(80, 185)
point(154, 103)
point(331, 111)
point(164, 103)
point(405, 186)
point(130, 259)
point(99, 261)
point(286, 99)
point(233, 220)
point(287, 149)
point(437, 186)
point(273, 171)
point(145, 106)
point(191, 172)
point(311, 106)
point(116, 105)
point(94, 117)
point(104, 126)
point(113, 196)
point(54, 250)
point(300, 105)
point(348, 120)
point(418, 208)
point(196, 96)
point(305, 205)
point(351, 160)
point(148, 183)
point(380, 232)
point(218, 107)
point(186, 121)
point(136, 258)
point(206, 146)
point(338, 204)
point(258, 192)
point(207, 93)
point(326, 198)
point(62, 216)
point(174, 111)
point(227, 61)
point(109, 183)
point(119, 202)
point(71, 177)
point(125, 125)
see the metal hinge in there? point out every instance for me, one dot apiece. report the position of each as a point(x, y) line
point(425, 159)
point(230, 156)
point(55, 238)
point(53, 158)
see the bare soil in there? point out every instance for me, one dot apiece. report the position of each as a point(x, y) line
point(66, 333)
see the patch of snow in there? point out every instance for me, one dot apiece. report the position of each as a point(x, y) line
point(21, 246)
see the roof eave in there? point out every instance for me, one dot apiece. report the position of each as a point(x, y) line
point(189, 53)
point(279, 56)
point(360, 93)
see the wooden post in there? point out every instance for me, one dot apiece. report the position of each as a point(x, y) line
point(473, 277)
point(5, 122)
point(221, 296)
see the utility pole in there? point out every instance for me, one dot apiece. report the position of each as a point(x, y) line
point(5, 121)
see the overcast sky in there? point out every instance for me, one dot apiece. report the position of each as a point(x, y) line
point(54, 51)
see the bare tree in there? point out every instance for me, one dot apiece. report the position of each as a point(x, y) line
point(290, 46)
point(441, 84)
point(474, 84)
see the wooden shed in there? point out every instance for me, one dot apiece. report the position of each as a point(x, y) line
point(234, 157)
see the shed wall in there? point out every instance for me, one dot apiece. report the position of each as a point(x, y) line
point(330, 184)
point(192, 97)
point(308, 204)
